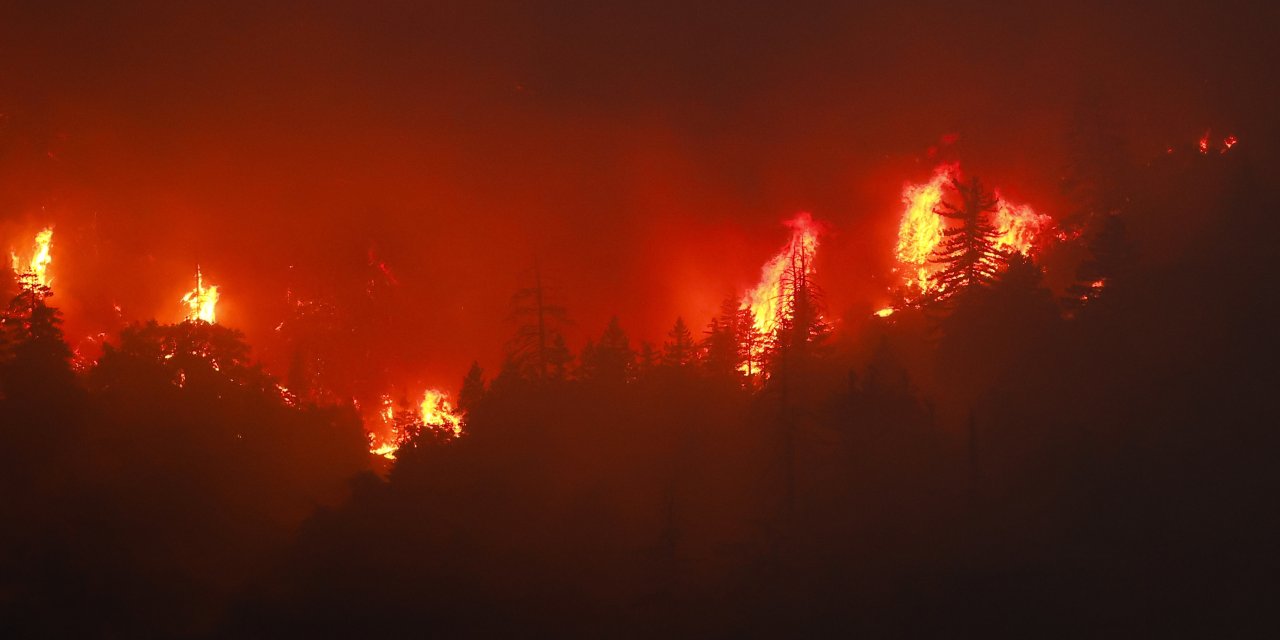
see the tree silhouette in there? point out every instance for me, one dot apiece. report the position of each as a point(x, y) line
point(611, 360)
point(473, 388)
point(968, 253)
point(539, 322)
point(679, 351)
point(37, 365)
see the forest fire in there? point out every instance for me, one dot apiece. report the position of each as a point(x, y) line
point(37, 266)
point(516, 323)
point(435, 413)
point(766, 299)
point(921, 230)
point(202, 301)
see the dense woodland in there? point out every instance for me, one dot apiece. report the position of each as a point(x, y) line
point(999, 459)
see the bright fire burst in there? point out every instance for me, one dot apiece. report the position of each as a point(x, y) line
point(37, 266)
point(435, 412)
point(201, 302)
point(921, 229)
point(766, 299)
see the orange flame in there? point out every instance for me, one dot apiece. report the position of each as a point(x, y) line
point(38, 265)
point(202, 301)
point(766, 299)
point(438, 413)
point(921, 230)
point(1019, 226)
point(435, 411)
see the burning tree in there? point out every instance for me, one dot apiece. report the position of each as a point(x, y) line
point(201, 302)
point(970, 254)
point(924, 231)
point(35, 269)
point(732, 344)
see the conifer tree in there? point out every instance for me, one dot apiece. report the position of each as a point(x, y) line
point(611, 360)
point(679, 350)
point(968, 252)
point(539, 323)
point(473, 388)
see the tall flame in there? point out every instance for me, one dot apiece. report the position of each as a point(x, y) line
point(202, 301)
point(38, 265)
point(766, 299)
point(921, 230)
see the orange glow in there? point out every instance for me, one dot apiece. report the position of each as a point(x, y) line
point(435, 412)
point(921, 230)
point(438, 413)
point(201, 302)
point(37, 266)
point(1019, 225)
point(766, 299)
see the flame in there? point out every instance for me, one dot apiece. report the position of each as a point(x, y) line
point(1019, 225)
point(921, 230)
point(202, 301)
point(1204, 143)
point(435, 411)
point(885, 312)
point(765, 300)
point(38, 265)
point(438, 413)
point(1228, 142)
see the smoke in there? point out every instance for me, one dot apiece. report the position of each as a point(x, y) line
point(644, 155)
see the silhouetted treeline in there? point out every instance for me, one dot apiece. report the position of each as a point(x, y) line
point(995, 461)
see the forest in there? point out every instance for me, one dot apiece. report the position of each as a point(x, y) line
point(986, 458)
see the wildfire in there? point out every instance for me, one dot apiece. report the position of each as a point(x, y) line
point(921, 230)
point(201, 302)
point(38, 265)
point(1020, 226)
point(766, 299)
point(438, 413)
point(435, 412)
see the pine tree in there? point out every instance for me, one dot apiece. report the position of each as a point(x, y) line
point(751, 344)
point(800, 325)
point(679, 351)
point(647, 359)
point(473, 389)
point(611, 360)
point(968, 253)
point(559, 358)
point(539, 323)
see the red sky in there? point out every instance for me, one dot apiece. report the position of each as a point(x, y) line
point(646, 153)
